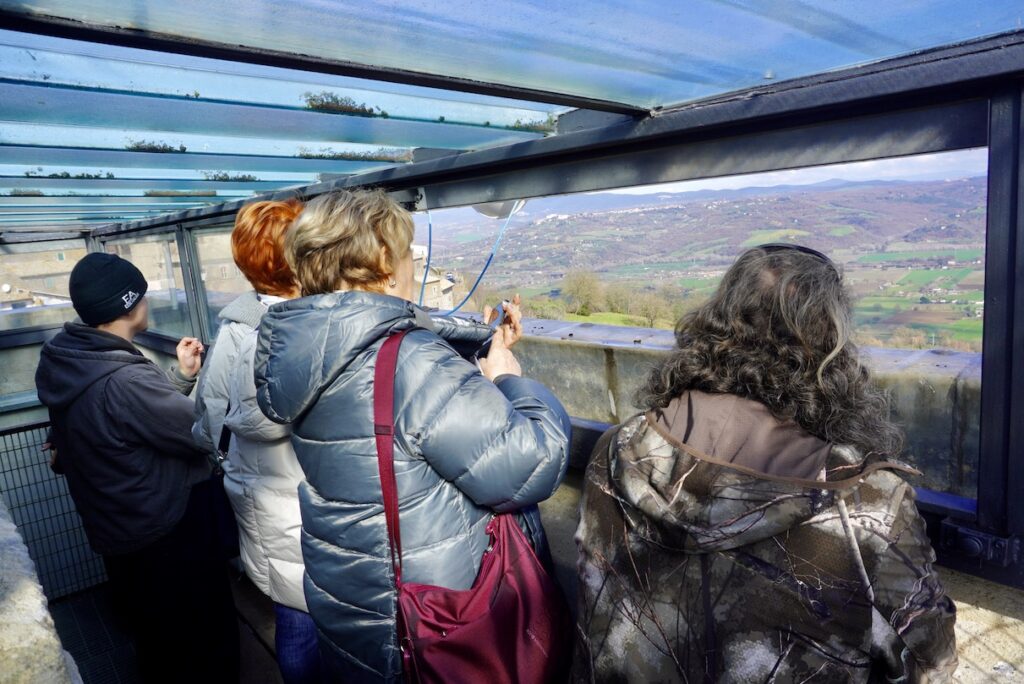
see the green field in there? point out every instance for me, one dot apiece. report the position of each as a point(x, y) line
point(840, 231)
point(881, 303)
point(609, 318)
point(965, 330)
point(957, 254)
point(760, 237)
point(463, 238)
point(698, 283)
point(917, 279)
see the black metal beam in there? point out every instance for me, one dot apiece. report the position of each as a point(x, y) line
point(973, 63)
point(25, 336)
point(997, 344)
point(934, 77)
point(158, 342)
point(66, 28)
point(1015, 438)
point(195, 289)
point(527, 169)
point(899, 133)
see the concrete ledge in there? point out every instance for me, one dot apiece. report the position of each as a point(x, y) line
point(936, 395)
point(30, 650)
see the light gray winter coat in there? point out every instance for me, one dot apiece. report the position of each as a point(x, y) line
point(464, 448)
point(261, 474)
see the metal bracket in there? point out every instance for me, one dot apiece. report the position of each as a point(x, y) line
point(966, 542)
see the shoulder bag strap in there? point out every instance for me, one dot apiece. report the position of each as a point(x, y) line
point(384, 431)
point(225, 434)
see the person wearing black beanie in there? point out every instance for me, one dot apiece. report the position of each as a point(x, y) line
point(122, 431)
point(104, 287)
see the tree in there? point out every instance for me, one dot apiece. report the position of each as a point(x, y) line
point(583, 290)
point(650, 307)
point(484, 296)
point(543, 307)
point(618, 298)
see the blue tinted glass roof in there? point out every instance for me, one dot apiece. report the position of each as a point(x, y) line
point(91, 131)
point(89, 120)
point(646, 53)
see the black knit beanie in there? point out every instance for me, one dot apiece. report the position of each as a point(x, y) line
point(105, 287)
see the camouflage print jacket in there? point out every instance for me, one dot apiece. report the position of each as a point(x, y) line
point(696, 567)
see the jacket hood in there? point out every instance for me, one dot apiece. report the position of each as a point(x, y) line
point(305, 344)
point(716, 472)
point(246, 308)
point(78, 357)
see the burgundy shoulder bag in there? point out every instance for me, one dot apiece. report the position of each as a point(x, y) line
point(511, 626)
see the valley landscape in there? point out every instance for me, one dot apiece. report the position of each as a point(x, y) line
point(912, 252)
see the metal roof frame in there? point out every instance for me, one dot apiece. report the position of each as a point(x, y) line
point(956, 97)
point(891, 91)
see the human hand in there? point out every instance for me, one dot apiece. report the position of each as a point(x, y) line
point(512, 324)
point(190, 358)
point(499, 360)
point(48, 446)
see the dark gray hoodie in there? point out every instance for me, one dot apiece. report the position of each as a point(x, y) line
point(122, 429)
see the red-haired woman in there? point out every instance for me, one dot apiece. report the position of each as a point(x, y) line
point(261, 475)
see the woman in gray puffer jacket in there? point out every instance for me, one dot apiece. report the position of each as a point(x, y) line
point(469, 441)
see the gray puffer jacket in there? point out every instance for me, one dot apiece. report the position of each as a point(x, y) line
point(464, 448)
point(261, 473)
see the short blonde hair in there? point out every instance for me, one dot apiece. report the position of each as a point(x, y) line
point(336, 241)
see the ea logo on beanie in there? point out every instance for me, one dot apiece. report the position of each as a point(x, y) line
point(105, 287)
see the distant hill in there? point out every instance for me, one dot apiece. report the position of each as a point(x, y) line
point(644, 236)
point(607, 201)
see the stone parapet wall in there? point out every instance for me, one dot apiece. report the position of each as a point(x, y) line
point(596, 369)
point(936, 395)
point(30, 650)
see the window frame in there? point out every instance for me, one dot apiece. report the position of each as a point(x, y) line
point(970, 97)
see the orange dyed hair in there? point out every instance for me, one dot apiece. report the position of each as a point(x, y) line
point(257, 245)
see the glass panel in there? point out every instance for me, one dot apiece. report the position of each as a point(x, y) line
point(157, 257)
point(41, 104)
point(149, 162)
point(221, 278)
point(28, 182)
point(79, 170)
point(34, 288)
point(173, 143)
point(644, 52)
point(907, 233)
point(79, 64)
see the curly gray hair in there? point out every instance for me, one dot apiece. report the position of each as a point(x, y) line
point(778, 331)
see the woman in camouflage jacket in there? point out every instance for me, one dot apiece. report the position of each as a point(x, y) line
point(753, 526)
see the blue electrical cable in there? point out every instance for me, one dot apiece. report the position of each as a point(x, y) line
point(487, 264)
point(430, 249)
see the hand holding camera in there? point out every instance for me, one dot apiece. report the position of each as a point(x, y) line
point(507, 321)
